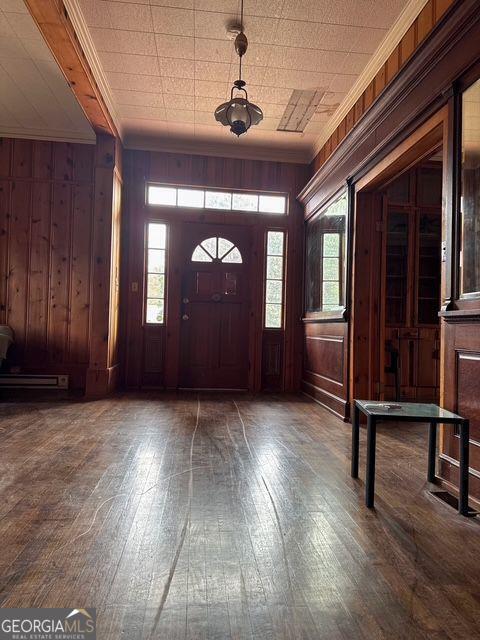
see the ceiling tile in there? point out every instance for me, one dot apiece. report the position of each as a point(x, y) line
point(180, 115)
point(251, 75)
point(126, 63)
point(133, 82)
point(211, 89)
point(367, 40)
point(205, 117)
point(6, 29)
point(129, 16)
point(181, 4)
point(347, 12)
point(142, 112)
point(213, 50)
point(176, 68)
point(13, 6)
point(289, 78)
point(173, 21)
point(22, 25)
point(205, 70)
point(178, 86)
point(341, 83)
point(354, 63)
point(213, 25)
point(169, 46)
point(96, 13)
point(129, 42)
point(306, 59)
point(276, 95)
point(37, 49)
point(181, 102)
point(11, 47)
point(138, 98)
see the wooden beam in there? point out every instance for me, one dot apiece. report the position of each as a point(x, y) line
point(56, 27)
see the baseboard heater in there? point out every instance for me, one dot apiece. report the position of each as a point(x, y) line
point(25, 381)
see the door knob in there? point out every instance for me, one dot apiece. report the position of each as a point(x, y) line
point(185, 301)
point(185, 316)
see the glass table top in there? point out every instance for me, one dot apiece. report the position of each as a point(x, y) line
point(406, 410)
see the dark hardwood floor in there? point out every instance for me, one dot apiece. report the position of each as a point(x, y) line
point(219, 517)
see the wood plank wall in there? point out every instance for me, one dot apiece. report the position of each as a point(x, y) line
point(46, 196)
point(430, 15)
point(151, 352)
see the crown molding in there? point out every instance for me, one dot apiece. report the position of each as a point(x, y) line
point(85, 39)
point(224, 150)
point(47, 135)
point(381, 55)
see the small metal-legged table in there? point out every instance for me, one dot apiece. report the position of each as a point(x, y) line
point(408, 412)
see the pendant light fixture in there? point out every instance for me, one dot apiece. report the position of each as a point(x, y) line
point(238, 113)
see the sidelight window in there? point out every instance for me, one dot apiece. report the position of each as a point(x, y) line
point(155, 272)
point(274, 280)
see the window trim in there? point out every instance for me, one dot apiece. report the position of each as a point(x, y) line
point(470, 300)
point(284, 278)
point(232, 192)
point(145, 275)
point(340, 314)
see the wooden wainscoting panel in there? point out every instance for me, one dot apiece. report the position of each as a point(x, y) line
point(272, 360)
point(325, 363)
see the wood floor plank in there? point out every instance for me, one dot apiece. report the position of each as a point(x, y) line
point(228, 516)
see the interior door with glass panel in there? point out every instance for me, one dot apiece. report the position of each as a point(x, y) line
point(215, 305)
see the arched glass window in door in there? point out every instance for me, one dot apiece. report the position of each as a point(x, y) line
point(217, 250)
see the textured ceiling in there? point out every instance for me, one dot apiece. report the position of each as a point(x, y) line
point(169, 63)
point(35, 99)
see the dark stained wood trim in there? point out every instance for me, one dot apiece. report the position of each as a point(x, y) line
point(56, 27)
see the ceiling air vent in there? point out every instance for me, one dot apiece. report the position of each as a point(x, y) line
point(300, 109)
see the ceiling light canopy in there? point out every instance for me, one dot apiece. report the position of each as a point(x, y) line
point(238, 113)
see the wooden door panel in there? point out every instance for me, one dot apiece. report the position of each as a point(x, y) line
point(214, 349)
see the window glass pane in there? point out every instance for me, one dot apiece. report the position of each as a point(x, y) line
point(210, 245)
point(156, 261)
point(325, 258)
point(331, 292)
point(162, 195)
point(274, 267)
point(156, 235)
point(275, 243)
point(191, 198)
point(331, 244)
point(273, 316)
point(223, 246)
point(470, 191)
point(218, 200)
point(331, 267)
point(272, 204)
point(155, 285)
point(245, 202)
point(155, 311)
point(274, 291)
point(200, 255)
point(234, 256)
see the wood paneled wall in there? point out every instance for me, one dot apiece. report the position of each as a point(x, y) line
point(60, 207)
point(46, 222)
point(151, 352)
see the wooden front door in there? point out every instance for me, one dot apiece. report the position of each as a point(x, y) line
point(215, 305)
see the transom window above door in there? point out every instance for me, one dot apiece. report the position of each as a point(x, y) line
point(217, 250)
point(189, 198)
